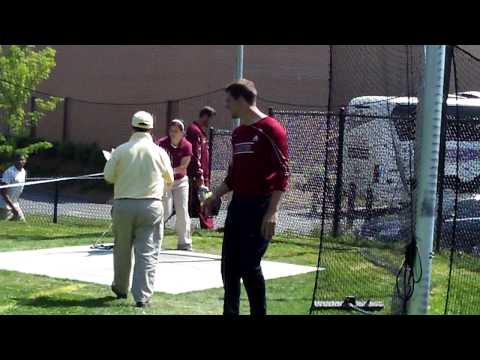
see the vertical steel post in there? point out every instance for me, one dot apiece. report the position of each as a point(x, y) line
point(339, 179)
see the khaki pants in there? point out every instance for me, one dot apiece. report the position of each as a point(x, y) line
point(177, 199)
point(137, 225)
point(7, 215)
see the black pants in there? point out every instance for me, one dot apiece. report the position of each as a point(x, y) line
point(242, 251)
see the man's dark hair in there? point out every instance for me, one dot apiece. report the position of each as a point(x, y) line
point(19, 156)
point(243, 88)
point(140, 129)
point(208, 111)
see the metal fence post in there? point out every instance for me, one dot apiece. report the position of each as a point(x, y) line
point(55, 203)
point(369, 203)
point(339, 181)
point(211, 134)
point(270, 111)
point(352, 195)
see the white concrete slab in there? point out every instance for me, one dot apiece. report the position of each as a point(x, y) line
point(178, 271)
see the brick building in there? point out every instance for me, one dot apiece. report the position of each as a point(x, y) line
point(153, 73)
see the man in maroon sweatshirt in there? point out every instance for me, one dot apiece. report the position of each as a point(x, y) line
point(198, 170)
point(258, 176)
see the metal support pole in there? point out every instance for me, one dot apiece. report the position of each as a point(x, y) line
point(238, 74)
point(55, 202)
point(211, 134)
point(443, 141)
point(369, 203)
point(351, 199)
point(339, 180)
point(427, 174)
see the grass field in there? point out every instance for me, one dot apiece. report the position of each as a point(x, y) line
point(349, 272)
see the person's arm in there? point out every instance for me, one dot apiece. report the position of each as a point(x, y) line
point(280, 185)
point(167, 170)
point(6, 180)
point(196, 142)
point(109, 172)
point(215, 198)
point(8, 200)
point(271, 217)
point(223, 189)
point(182, 168)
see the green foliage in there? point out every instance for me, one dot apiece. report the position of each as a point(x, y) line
point(19, 145)
point(34, 148)
point(23, 68)
point(67, 159)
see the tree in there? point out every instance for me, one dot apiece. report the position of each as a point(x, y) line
point(22, 69)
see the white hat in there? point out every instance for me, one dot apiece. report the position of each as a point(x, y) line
point(143, 120)
point(179, 123)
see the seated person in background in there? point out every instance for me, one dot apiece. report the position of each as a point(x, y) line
point(15, 174)
point(180, 151)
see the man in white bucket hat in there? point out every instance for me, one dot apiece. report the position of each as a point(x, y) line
point(141, 173)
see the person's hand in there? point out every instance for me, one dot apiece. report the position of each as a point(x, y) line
point(15, 212)
point(199, 182)
point(209, 204)
point(268, 225)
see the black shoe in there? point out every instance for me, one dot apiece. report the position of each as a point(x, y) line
point(118, 293)
point(142, 304)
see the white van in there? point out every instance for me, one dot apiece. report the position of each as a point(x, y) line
point(379, 145)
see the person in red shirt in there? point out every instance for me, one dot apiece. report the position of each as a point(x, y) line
point(258, 176)
point(199, 168)
point(180, 151)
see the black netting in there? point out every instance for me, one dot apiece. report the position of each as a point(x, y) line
point(74, 202)
point(381, 70)
point(378, 87)
point(307, 138)
point(352, 168)
point(460, 226)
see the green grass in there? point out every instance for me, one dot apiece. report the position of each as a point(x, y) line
point(351, 270)
point(31, 294)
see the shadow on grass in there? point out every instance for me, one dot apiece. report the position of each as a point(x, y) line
point(48, 302)
point(49, 238)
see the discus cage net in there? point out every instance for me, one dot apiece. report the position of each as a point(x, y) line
point(352, 183)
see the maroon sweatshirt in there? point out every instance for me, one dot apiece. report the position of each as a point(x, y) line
point(257, 168)
point(199, 165)
point(176, 153)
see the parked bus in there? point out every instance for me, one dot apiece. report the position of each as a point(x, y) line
point(379, 145)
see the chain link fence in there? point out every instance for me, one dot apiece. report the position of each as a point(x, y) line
point(352, 164)
point(459, 222)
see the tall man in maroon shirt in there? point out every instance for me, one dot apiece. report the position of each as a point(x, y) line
point(258, 176)
point(198, 170)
